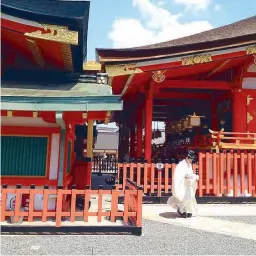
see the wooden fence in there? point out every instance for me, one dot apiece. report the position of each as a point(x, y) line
point(229, 174)
point(66, 204)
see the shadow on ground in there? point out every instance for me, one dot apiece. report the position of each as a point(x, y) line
point(169, 215)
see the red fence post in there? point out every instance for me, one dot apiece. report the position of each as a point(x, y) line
point(59, 206)
point(200, 174)
point(139, 207)
point(4, 201)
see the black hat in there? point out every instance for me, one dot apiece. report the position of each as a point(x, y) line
point(191, 154)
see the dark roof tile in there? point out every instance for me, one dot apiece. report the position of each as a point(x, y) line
point(235, 33)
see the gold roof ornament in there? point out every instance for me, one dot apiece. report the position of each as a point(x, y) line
point(55, 33)
point(92, 65)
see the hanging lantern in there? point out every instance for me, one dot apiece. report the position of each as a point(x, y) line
point(195, 120)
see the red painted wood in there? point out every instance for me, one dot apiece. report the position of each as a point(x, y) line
point(19, 130)
point(239, 111)
point(12, 25)
point(249, 74)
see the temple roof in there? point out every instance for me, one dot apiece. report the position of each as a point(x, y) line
point(54, 90)
point(32, 30)
point(237, 33)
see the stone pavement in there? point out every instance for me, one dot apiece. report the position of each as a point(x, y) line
point(217, 230)
point(210, 218)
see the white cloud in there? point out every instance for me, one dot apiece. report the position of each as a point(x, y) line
point(156, 25)
point(194, 4)
point(217, 7)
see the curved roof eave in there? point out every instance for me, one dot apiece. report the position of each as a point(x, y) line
point(236, 33)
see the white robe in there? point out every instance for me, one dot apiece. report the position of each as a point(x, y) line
point(184, 184)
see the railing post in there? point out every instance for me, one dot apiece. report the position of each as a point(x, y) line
point(17, 203)
point(139, 207)
point(4, 201)
point(59, 206)
point(200, 174)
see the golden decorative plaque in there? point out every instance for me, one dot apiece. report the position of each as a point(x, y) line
point(55, 33)
point(122, 69)
point(251, 49)
point(196, 59)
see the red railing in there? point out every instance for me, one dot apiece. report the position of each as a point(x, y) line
point(66, 206)
point(232, 174)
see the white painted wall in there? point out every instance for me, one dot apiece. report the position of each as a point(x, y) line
point(54, 160)
point(249, 83)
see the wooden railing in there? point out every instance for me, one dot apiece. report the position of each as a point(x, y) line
point(233, 140)
point(230, 174)
point(65, 204)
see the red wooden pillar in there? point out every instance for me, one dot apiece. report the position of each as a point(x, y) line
point(148, 126)
point(239, 111)
point(139, 132)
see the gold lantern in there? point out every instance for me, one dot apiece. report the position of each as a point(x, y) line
point(195, 120)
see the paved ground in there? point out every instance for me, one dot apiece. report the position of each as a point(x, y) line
point(218, 229)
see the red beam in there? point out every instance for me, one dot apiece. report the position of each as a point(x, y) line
point(184, 84)
point(249, 74)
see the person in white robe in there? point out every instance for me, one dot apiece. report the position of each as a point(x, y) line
point(184, 185)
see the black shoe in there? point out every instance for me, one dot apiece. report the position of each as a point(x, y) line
point(189, 215)
point(183, 215)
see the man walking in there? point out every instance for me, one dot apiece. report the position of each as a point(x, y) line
point(184, 185)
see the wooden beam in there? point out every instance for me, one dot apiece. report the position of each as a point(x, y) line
point(249, 74)
point(188, 84)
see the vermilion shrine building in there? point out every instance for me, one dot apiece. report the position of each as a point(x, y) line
point(50, 96)
point(211, 74)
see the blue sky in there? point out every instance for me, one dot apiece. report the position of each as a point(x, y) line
point(128, 23)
